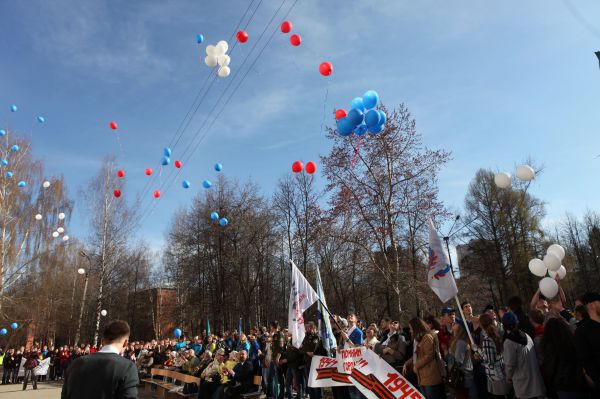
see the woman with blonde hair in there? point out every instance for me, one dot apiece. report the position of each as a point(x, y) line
point(424, 362)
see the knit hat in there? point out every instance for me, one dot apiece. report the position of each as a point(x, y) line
point(510, 319)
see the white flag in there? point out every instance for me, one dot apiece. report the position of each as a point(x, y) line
point(439, 275)
point(325, 331)
point(302, 296)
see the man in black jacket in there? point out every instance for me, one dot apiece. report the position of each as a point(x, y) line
point(105, 374)
point(240, 377)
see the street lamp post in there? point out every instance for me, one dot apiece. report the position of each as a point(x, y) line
point(85, 286)
point(447, 241)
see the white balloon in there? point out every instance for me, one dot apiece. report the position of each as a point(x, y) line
point(61, 216)
point(103, 312)
point(223, 46)
point(502, 180)
point(66, 238)
point(81, 270)
point(552, 262)
point(224, 72)
point(55, 234)
point(557, 250)
point(211, 61)
point(525, 172)
point(224, 60)
point(60, 230)
point(548, 287)
point(562, 273)
point(46, 184)
point(210, 50)
point(38, 216)
point(537, 267)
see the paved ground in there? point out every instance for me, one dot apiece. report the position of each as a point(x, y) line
point(45, 391)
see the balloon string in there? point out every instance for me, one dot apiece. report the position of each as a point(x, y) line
point(356, 150)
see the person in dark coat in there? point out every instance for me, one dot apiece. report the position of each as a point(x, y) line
point(105, 374)
point(240, 377)
point(32, 359)
point(8, 364)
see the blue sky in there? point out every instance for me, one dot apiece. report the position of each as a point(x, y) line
point(493, 82)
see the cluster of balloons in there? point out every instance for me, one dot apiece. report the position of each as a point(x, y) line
point(310, 168)
point(13, 326)
point(222, 221)
point(524, 172)
point(362, 116)
point(551, 264)
point(217, 55)
point(295, 39)
point(59, 230)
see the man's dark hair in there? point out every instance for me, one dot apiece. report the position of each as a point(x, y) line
point(386, 319)
point(515, 303)
point(537, 316)
point(582, 310)
point(462, 305)
point(116, 330)
point(312, 324)
point(275, 324)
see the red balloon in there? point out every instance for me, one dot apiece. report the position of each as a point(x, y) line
point(311, 168)
point(117, 193)
point(297, 167)
point(326, 68)
point(242, 36)
point(121, 173)
point(286, 27)
point(178, 164)
point(113, 125)
point(148, 171)
point(340, 113)
point(157, 194)
point(295, 39)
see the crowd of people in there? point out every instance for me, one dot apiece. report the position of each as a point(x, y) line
point(500, 353)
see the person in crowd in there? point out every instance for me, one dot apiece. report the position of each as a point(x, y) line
point(540, 302)
point(273, 385)
point(205, 360)
point(587, 341)
point(489, 310)
point(8, 364)
point(490, 352)
point(561, 370)
point(371, 338)
point(295, 372)
point(254, 354)
point(537, 319)
point(146, 364)
point(445, 333)
point(424, 360)
point(32, 359)
point(281, 364)
point(581, 315)
point(210, 379)
point(355, 334)
point(459, 354)
point(312, 346)
point(192, 363)
point(470, 320)
point(266, 360)
point(393, 351)
point(65, 358)
point(19, 354)
point(520, 361)
point(244, 345)
point(384, 329)
point(515, 305)
point(240, 377)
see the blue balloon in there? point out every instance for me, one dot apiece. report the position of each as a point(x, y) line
point(357, 103)
point(8, 174)
point(355, 116)
point(41, 119)
point(206, 184)
point(214, 216)
point(344, 127)
point(2, 132)
point(167, 152)
point(14, 326)
point(177, 333)
point(165, 161)
point(218, 167)
point(372, 118)
point(382, 117)
point(3, 331)
point(15, 148)
point(376, 129)
point(199, 38)
point(13, 108)
point(361, 129)
point(223, 222)
point(370, 99)
point(186, 184)
point(21, 184)
point(4, 162)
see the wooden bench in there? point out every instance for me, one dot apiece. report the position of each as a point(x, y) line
point(257, 381)
point(169, 381)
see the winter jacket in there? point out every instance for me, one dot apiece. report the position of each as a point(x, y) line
point(426, 366)
point(521, 365)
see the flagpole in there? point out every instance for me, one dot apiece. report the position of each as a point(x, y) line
point(331, 314)
point(462, 315)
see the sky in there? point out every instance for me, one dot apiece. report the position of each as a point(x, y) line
point(495, 83)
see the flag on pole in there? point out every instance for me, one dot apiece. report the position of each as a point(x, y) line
point(439, 275)
point(207, 326)
point(302, 296)
point(325, 331)
point(240, 328)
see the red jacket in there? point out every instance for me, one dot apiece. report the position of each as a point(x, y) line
point(65, 356)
